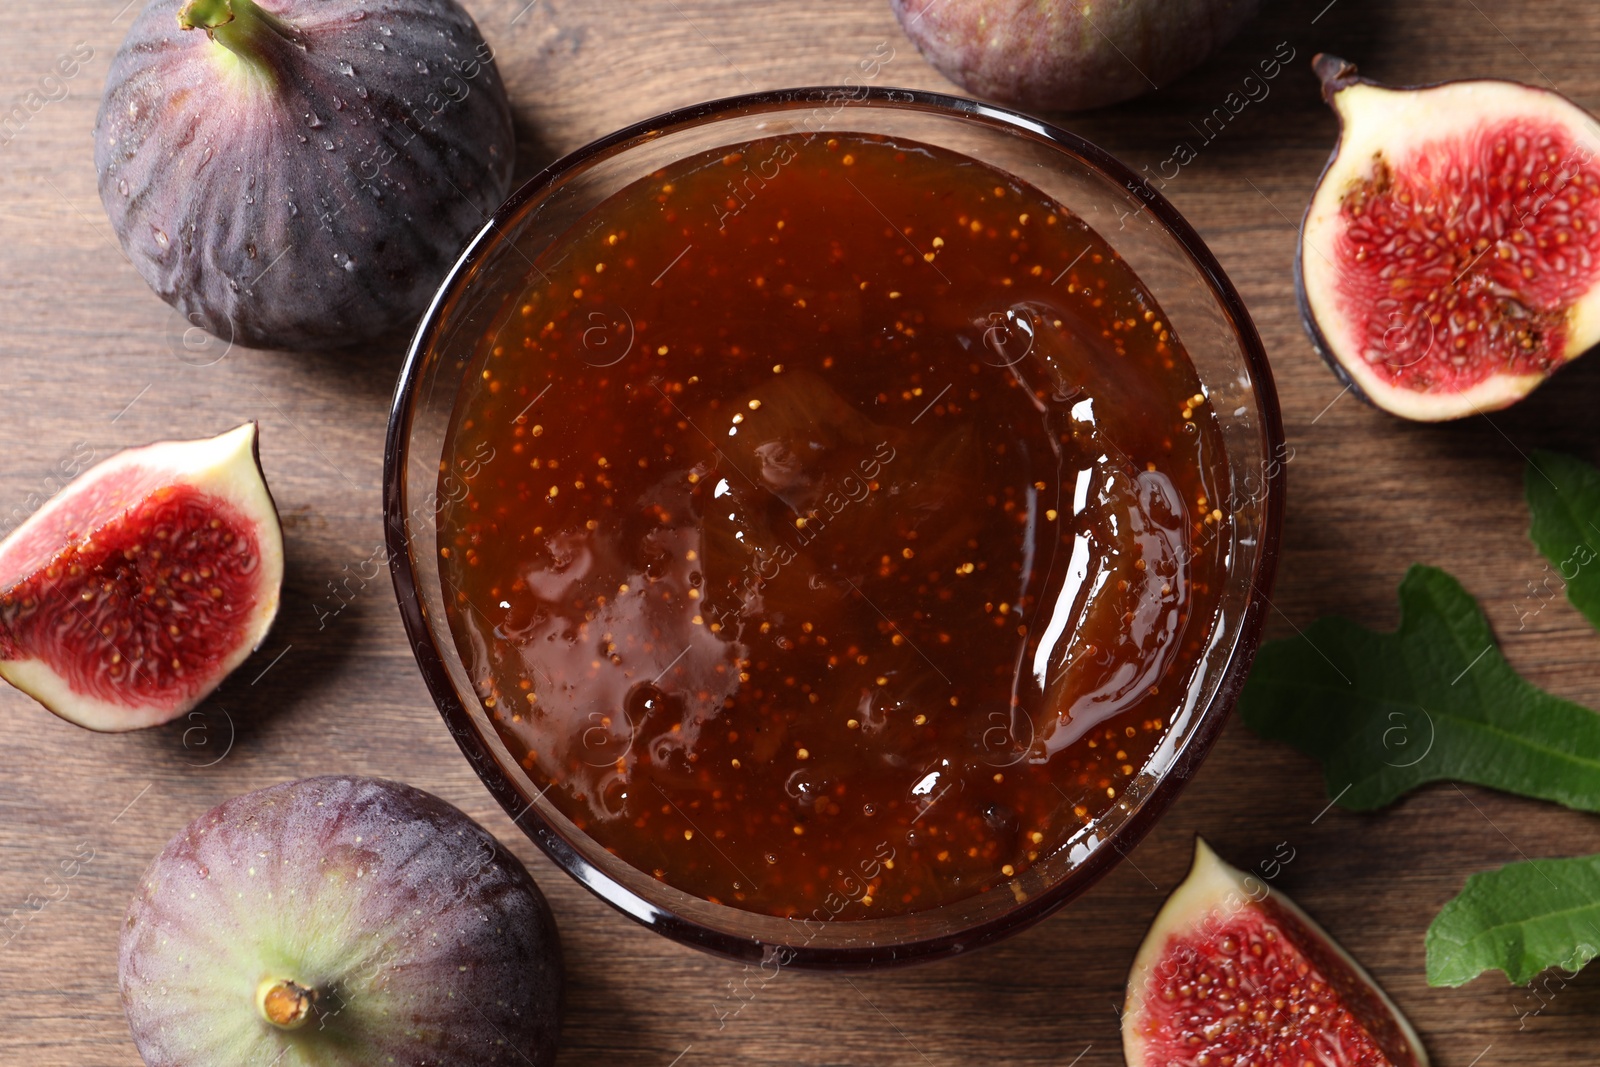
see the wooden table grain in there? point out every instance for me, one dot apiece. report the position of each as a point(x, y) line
point(91, 362)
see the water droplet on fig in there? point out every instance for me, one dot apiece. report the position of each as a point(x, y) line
point(346, 69)
point(358, 16)
point(422, 67)
point(338, 104)
point(313, 120)
point(294, 212)
point(122, 186)
point(250, 250)
point(361, 91)
point(328, 145)
point(161, 237)
point(386, 31)
point(133, 110)
point(377, 46)
point(344, 261)
point(303, 138)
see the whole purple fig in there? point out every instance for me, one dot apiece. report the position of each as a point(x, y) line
point(301, 173)
point(342, 922)
point(1063, 55)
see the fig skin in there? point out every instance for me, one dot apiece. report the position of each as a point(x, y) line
point(1053, 55)
point(337, 922)
point(302, 174)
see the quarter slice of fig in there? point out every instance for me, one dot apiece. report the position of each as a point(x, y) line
point(1450, 258)
point(1232, 972)
point(134, 591)
point(340, 922)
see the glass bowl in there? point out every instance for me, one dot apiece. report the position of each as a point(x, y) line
point(1138, 223)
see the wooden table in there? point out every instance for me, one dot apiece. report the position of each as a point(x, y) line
point(92, 360)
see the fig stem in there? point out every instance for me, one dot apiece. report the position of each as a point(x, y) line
point(240, 26)
point(1334, 73)
point(285, 1004)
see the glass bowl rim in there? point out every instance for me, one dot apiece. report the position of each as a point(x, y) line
point(1208, 724)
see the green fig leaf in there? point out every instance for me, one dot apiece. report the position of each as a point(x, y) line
point(1433, 701)
point(1521, 919)
point(1564, 497)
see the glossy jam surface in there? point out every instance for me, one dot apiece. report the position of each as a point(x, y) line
point(832, 522)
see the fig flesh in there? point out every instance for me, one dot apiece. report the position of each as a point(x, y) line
point(1450, 257)
point(339, 922)
point(301, 173)
point(131, 594)
point(1057, 55)
point(1232, 972)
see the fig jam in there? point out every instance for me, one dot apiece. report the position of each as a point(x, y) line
point(832, 521)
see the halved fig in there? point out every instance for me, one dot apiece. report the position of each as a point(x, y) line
point(340, 922)
point(133, 592)
point(1450, 257)
point(1232, 972)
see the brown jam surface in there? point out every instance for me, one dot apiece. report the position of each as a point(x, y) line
point(832, 526)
